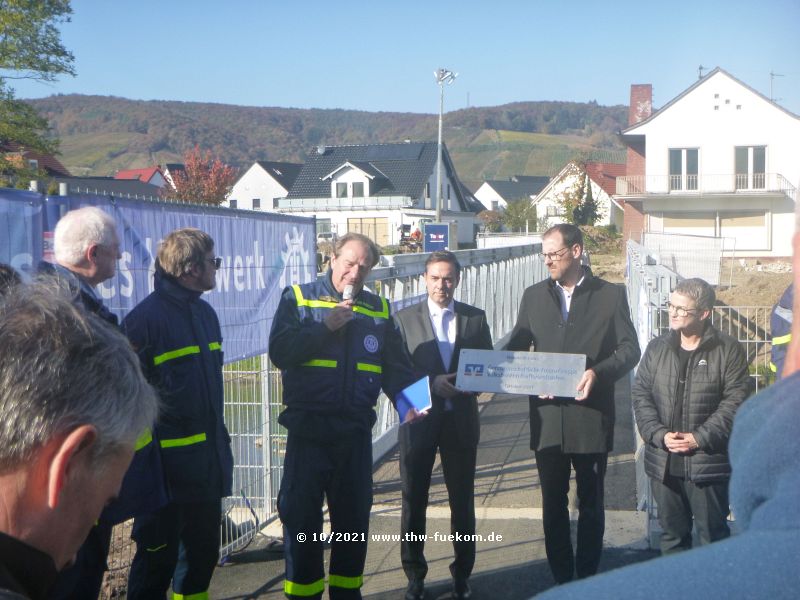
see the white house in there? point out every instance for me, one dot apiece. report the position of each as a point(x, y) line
point(377, 189)
point(262, 185)
point(495, 194)
point(602, 179)
point(719, 160)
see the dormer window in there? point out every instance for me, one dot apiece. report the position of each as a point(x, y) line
point(358, 189)
point(33, 164)
point(341, 190)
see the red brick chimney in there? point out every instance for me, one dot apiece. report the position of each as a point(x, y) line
point(641, 102)
point(641, 108)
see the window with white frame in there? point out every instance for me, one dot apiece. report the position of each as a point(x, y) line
point(256, 203)
point(554, 211)
point(683, 168)
point(341, 190)
point(358, 189)
point(751, 167)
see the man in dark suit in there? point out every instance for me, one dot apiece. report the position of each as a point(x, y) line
point(574, 312)
point(435, 330)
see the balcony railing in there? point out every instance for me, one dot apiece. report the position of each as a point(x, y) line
point(640, 185)
point(326, 204)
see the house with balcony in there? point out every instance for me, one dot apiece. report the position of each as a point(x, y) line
point(720, 159)
point(379, 190)
point(262, 185)
point(576, 178)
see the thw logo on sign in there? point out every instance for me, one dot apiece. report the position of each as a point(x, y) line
point(473, 370)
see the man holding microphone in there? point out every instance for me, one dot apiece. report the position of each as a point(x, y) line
point(337, 346)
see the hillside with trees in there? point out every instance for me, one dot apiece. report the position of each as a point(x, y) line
point(102, 134)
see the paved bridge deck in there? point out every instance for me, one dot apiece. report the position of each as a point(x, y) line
point(510, 562)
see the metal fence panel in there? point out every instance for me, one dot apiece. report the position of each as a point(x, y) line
point(688, 255)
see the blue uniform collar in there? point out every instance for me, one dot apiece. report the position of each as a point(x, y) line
point(169, 286)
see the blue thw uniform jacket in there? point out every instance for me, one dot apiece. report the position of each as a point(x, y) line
point(339, 373)
point(780, 322)
point(179, 342)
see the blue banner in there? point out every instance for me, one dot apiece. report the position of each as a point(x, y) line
point(261, 252)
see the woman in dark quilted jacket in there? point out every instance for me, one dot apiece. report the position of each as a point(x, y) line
point(689, 384)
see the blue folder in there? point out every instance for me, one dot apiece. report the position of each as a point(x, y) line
point(417, 395)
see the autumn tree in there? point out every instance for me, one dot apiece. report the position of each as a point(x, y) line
point(204, 180)
point(577, 202)
point(491, 219)
point(30, 48)
point(520, 215)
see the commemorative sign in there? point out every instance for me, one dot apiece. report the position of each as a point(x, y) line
point(531, 373)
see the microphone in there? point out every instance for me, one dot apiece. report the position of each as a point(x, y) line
point(347, 294)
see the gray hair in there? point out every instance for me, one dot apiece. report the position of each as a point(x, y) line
point(352, 236)
point(698, 290)
point(62, 367)
point(79, 229)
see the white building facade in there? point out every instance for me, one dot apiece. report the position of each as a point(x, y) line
point(718, 160)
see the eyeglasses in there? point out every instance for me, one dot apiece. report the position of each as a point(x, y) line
point(216, 261)
point(554, 256)
point(680, 311)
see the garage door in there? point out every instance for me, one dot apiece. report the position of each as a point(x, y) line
point(690, 223)
point(375, 228)
point(748, 228)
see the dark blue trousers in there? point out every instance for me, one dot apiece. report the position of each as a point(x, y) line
point(340, 471)
point(178, 544)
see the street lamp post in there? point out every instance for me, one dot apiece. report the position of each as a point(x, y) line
point(442, 76)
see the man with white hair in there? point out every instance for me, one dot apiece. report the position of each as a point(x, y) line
point(86, 248)
point(67, 434)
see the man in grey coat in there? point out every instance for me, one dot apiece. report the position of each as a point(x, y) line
point(688, 387)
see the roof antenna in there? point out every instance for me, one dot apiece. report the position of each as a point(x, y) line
point(772, 76)
point(700, 70)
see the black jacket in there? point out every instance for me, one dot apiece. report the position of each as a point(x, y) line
point(599, 326)
point(25, 571)
point(472, 332)
point(717, 382)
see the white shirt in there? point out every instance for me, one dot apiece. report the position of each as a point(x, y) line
point(445, 336)
point(566, 297)
point(436, 315)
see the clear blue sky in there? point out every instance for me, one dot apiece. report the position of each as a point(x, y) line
point(380, 55)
